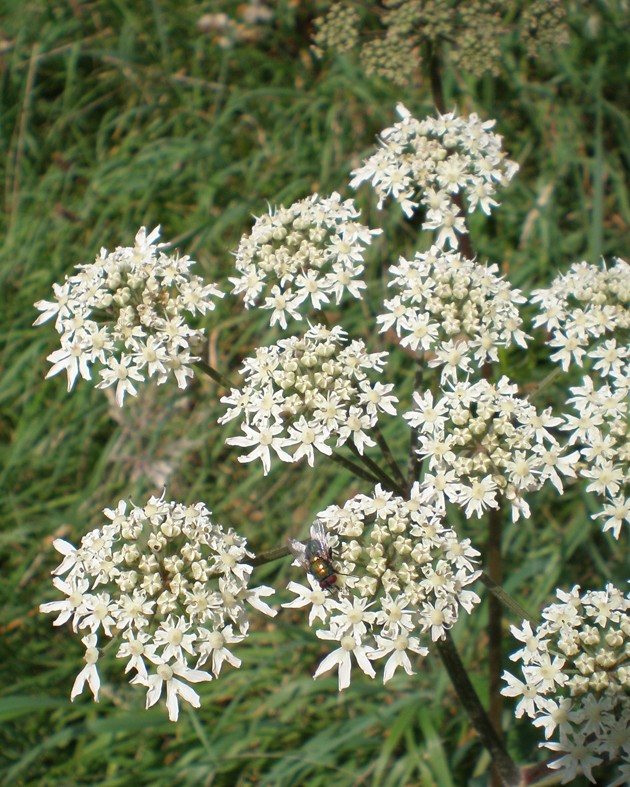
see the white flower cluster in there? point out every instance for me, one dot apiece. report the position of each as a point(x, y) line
point(311, 252)
point(576, 681)
point(399, 572)
point(583, 305)
point(305, 392)
point(169, 585)
point(455, 309)
point(481, 442)
point(127, 311)
point(434, 160)
point(587, 312)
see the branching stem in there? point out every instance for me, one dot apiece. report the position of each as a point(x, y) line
point(378, 471)
point(357, 470)
point(389, 457)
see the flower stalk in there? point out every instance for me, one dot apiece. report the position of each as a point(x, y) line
point(214, 374)
point(389, 458)
point(503, 763)
point(377, 471)
point(355, 469)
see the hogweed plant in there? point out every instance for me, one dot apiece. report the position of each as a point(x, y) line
point(167, 590)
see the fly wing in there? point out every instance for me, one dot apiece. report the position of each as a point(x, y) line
point(318, 533)
point(298, 550)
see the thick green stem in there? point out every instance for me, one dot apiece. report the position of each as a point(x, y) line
point(435, 77)
point(503, 764)
point(494, 562)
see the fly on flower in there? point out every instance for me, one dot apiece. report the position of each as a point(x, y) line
point(315, 556)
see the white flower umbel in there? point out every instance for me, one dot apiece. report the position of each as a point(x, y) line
point(307, 394)
point(127, 312)
point(303, 257)
point(588, 302)
point(482, 442)
point(169, 585)
point(402, 577)
point(576, 681)
point(457, 310)
point(429, 162)
point(587, 313)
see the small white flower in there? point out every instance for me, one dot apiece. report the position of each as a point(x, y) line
point(577, 757)
point(320, 600)
point(341, 658)
point(173, 675)
point(121, 373)
point(479, 496)
point(74, 606)
point(306, 438)
point(397, 650)
point(172, 638)
point(213, 646)
point(133, 649)
point(89, 673)
point(262, 440)
point(352, 616)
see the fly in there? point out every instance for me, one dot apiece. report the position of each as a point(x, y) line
point(315, 556)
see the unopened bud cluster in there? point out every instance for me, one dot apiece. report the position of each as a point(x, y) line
point(389, 35)
point(337, 30)
point(576, 681)
point(169, 585)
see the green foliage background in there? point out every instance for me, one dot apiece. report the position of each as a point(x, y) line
point(116, 114)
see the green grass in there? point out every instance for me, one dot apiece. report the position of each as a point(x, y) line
point(115, 115)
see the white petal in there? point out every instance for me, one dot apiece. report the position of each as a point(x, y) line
point(331, 660)
point(345, 668)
